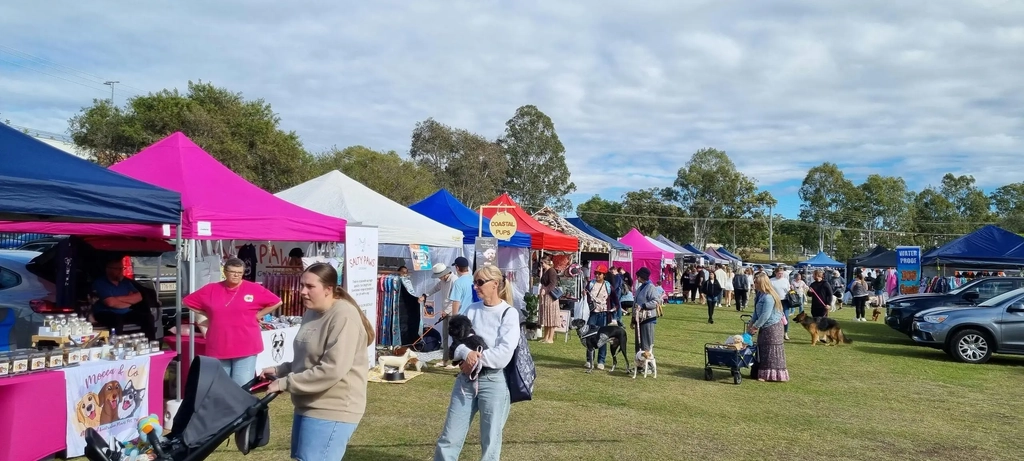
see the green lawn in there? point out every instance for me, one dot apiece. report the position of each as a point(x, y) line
point(878, 398)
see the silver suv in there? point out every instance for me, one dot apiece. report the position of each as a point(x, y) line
point(972, 334)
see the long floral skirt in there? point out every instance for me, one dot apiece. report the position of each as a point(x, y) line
point(771, 354)
point(547, 309)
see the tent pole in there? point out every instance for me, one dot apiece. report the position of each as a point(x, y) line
point(177, 312)
point(192, 289)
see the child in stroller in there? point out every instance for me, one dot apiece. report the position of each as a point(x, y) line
point(214, 407)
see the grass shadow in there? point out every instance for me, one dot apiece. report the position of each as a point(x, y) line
point(374, 453)
point(918, 353)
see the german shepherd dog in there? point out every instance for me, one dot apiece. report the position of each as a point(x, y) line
point(825, 328)
point(593, 338)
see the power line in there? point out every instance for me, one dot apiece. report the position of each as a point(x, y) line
point(52, 75)
point(60, 68)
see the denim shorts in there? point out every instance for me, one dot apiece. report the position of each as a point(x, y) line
point(315, 439)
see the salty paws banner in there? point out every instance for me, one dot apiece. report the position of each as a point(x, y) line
point(106, 396)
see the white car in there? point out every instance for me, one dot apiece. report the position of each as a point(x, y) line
point(23, 296)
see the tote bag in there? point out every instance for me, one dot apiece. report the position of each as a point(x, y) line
point(520, 373)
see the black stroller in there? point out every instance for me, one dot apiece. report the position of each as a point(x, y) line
point(213, 409)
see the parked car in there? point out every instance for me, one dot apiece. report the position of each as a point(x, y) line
point(24, 298)
point(42, 244)
point(900, 310)
point(146, 269)
point(973, 334)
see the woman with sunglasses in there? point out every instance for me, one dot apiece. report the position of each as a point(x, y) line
point(497, 323)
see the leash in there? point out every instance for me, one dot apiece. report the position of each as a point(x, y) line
point(431, 327)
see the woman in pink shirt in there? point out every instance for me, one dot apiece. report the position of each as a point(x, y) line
point(234, 308)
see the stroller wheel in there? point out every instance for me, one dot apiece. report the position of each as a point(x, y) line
point(708, 374)
point(737, 377)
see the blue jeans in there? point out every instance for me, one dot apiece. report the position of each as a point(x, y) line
point(489, 396)
point(241, 370)
point(803, 299)
point(315, 439)
point(598, 319)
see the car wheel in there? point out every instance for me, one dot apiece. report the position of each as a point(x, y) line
point(971, 346)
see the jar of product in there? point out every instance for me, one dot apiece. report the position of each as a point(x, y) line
point(117, 353)
point(5, 364)
point(19, 362)
point(154, 347)
point(72, 356)
point(55, 358)
point(48, 321)
point(37, 361)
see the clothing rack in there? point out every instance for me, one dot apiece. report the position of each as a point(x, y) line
point(287, 287)
point(389, 291)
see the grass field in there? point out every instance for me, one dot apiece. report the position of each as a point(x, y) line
point(878, 398)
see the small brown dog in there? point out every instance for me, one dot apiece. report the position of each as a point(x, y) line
point(825, 328)
point(875, 313)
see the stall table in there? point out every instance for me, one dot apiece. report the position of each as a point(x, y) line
point(36, 410)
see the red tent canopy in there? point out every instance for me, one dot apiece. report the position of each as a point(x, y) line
point(542, 237)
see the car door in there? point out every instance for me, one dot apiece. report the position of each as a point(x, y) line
point(1011, 326)
point(991, 288)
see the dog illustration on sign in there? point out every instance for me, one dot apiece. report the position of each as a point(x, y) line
point(277, 347)
point(87, 412)
point(131, 400)
point(110, 398)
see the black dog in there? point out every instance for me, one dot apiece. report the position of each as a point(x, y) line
point(593, 338)
point(461, 330)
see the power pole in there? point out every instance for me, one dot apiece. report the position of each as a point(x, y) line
point(111, 83)
point(771, 234)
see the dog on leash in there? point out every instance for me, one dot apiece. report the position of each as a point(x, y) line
point(593, 337)
point(645, 360)
point(826, 328)
point(875, 313)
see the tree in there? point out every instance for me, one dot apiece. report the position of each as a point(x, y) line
point(973, 207)
point(933, 214)
point(387, 173)
point(537, 173)
point(1008, 202)
point(242, 134)
point(648, 213)
point(886, 203)
point(825, 192)
point(469, 166)
point(604, 215)
point(710, 189)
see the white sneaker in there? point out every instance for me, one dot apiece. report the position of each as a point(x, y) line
point(587, 365)
point(600, 366)
point(787, 336)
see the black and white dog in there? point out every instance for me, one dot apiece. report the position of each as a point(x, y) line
point(593, 337)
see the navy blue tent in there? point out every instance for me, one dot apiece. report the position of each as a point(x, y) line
point(705, 255)
point(675, 246)
point(820, 260)
point(444, 208)
point(586, 228)
point(988, 246)
point(39, 182)
point(722, 251)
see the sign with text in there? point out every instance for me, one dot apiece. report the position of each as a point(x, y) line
point(486, 251)
point(107, 396)
point(503, 225)
point(270, 257)
point(361, 273)
point(908, 269)
point(420, 257)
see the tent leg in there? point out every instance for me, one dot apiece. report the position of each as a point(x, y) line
point(178, 391)
point(192, 289)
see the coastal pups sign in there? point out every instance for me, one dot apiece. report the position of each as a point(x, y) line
point(503, 225)
point(108, 397)
point(361, 273)
point(908, 269)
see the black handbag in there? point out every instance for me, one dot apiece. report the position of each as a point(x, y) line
point(556, 293)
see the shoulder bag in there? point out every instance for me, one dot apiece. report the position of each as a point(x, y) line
point(520, 373)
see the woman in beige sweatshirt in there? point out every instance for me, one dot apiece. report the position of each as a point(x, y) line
point(327, 378)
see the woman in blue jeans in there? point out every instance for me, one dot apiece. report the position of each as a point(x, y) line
point(480, 385)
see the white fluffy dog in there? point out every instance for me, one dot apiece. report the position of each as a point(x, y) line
point(643, 359)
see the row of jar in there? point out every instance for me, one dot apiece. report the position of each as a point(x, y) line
point(30, 360)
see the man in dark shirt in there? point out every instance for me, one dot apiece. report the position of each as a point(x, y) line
point(116, 296)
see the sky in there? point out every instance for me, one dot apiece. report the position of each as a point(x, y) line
point(909, 88)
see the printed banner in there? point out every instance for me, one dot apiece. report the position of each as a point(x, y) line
point(278, 347)
point(108, 397)
point(908, 269)
point(420, 257)
point(486, 251)
point(361, 279)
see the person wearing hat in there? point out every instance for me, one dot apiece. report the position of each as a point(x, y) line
point(444, 285)
point(647, 298)
point(598, 293)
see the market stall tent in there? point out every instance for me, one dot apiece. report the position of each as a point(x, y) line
point(588, 243)
point(722, 251)
point(719, 257)
point(590, 230)
point(990, 246)
point(647, 254)
point(443, 207)
point(335, 194)
point(820, 260)
point(49, 191)
point(541, 237)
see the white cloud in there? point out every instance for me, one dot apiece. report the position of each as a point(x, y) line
point(876, 86)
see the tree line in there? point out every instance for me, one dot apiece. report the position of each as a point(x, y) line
point(708, 202)
point(527, 160)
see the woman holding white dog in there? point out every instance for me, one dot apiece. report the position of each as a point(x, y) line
point(327, 377)
point(497, 323)
point(767, 322)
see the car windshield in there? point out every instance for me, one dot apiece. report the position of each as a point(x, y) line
point(1002, 298)
point(965, 287)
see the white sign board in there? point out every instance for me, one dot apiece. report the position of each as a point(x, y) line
point(361, 274)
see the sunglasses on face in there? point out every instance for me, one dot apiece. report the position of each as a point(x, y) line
point(480, 282)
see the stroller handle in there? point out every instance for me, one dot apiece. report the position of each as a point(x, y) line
point(746, 318)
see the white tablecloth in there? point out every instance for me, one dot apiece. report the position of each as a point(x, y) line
point(278, 347)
